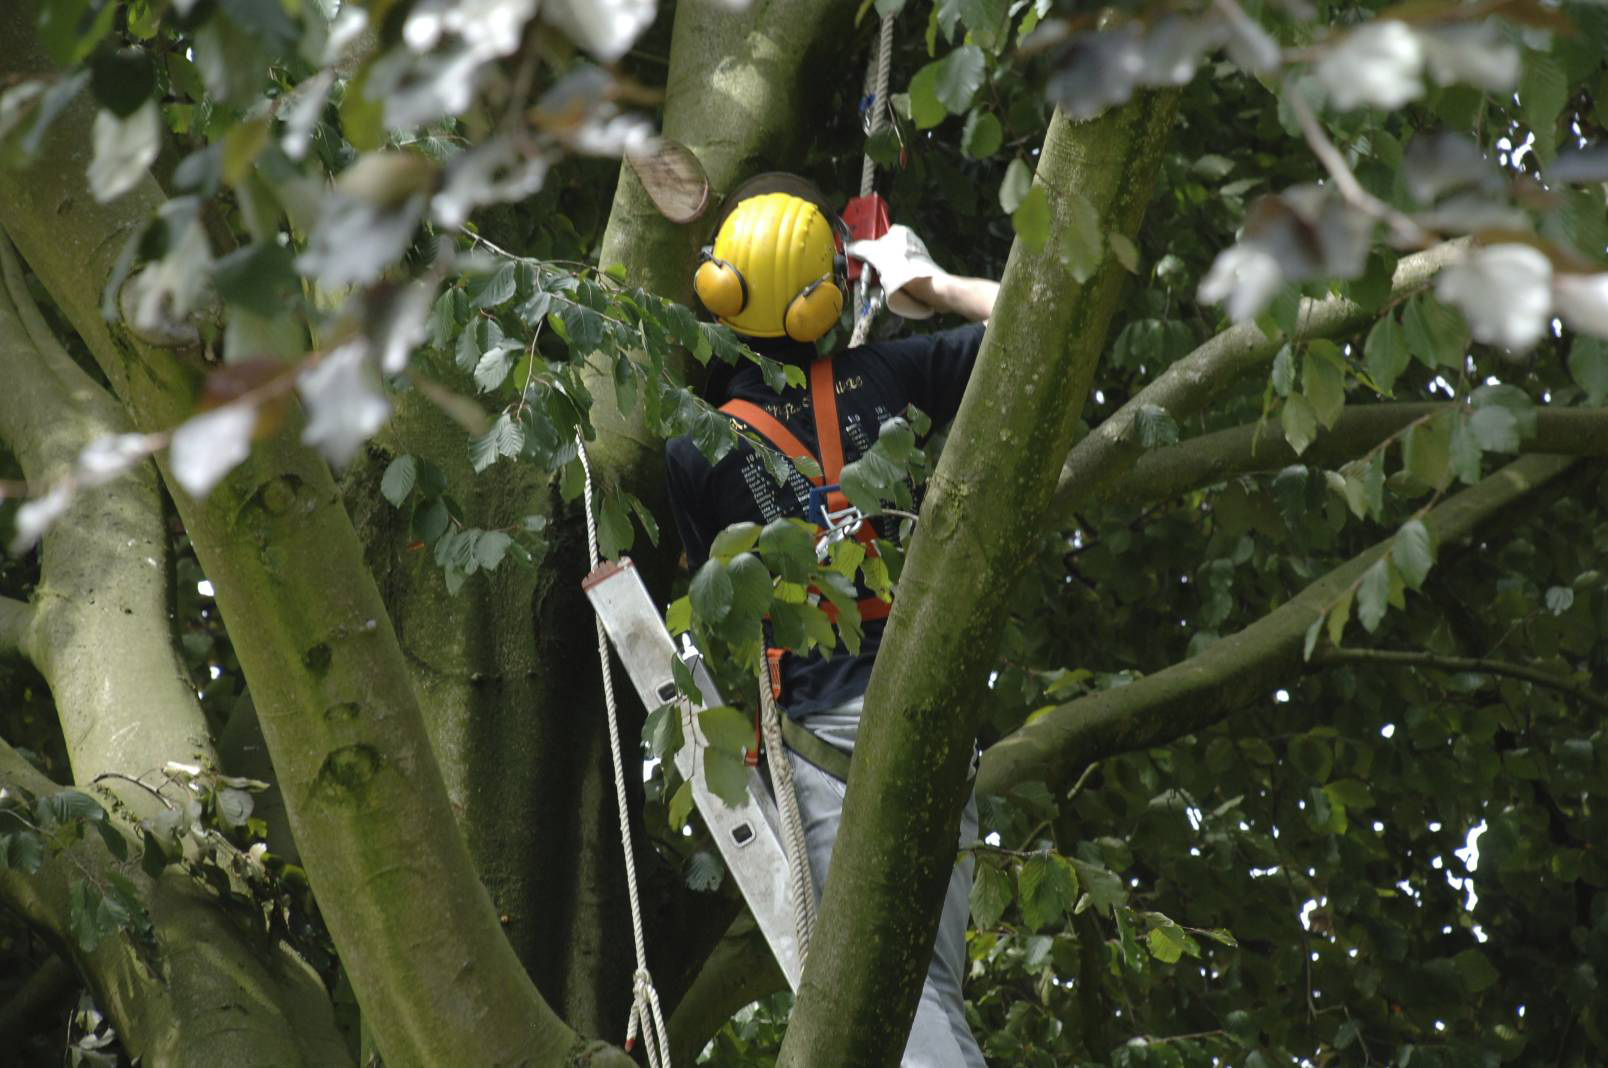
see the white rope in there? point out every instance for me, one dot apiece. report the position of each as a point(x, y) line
point(879, 99)
point(645, 1008)
point(798, 857)
point(864, 312)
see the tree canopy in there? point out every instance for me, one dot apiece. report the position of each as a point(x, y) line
point(1263, 560)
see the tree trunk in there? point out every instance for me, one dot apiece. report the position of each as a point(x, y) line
point(521, 743)
point(98, 630)
point(736, 95)
point(987, 498)
point(364, 794)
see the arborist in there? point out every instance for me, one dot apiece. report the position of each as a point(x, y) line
point(775, 273)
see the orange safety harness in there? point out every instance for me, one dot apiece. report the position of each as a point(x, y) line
point(829, 436)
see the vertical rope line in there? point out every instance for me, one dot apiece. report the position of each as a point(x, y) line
point(863, 312)
point(798, 857)
point(879, 99)
point(645, 1007)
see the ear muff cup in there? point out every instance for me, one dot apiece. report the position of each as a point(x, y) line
point(814, 311)
point(720, 286)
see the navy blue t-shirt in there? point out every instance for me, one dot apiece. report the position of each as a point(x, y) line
point(875, 382)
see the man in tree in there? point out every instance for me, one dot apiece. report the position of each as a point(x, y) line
point(774, 275)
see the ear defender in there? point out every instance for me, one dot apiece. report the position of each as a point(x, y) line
point(721, 287)
point(815, 310)
point(773, 269)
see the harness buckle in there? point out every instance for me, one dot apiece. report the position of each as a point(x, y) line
point(836, 523)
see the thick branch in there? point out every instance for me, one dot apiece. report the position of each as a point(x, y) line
point(1192, 383)
point(1161, 474)
point(415, 928)
point(1231, 673)
point(99, 632)
point(212, 1002)
point(98, 629)
point(39, 998)
point(894, 855)
point(16, 620)
point(740, 970)
point(1405, 658)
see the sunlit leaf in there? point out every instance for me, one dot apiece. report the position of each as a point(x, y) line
point(124, 148)
point(982, 136)
point(1031, 218)
point(1386, 353)
point(711, 591)
point(1018, 180)
point(1299, 421)
point(991, 894)
point(959, 75)
point(344, 403)
point(1413, 552)
point(1372, 594)
point(1323, 381)
point(726, 775)
point(208, 446)
point(1081, 239)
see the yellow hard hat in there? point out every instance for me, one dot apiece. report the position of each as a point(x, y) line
point(773, 269)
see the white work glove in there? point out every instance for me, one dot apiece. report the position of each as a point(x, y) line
point(899, 257)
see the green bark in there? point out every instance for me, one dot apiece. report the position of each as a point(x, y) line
point(98, 631)
point(737, 94)
point(105, 575)
point(523, 748)
point(1189, 385)
point(1233, 672)
point(416, 930)
point(991, 489)
point(741, 970)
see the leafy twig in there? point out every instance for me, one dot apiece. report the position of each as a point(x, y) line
point(1407, 232)
point(1404, 658)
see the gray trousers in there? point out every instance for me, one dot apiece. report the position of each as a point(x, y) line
point(939, 1037)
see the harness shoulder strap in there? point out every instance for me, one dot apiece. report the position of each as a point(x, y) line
point(823, 395)
point(771, 429)
point(828, 434)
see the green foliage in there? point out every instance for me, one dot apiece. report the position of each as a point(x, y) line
point(1271, 890)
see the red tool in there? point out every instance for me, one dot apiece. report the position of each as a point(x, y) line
point(867, 220)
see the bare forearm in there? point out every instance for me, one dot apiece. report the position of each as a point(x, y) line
point(972, 298)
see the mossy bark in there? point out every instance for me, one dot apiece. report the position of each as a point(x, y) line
point(741, 970)
point(990, 492)
point(105, 572)
point(737, 95)
point(514, 708)
point(99, 631)
point(416, 930)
